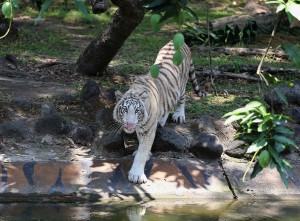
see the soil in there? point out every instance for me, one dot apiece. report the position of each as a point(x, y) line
point(36, 82)
point(48, 80)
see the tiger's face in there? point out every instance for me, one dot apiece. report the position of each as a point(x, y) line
point(131, 113)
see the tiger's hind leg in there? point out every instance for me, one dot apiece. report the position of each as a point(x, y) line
point(179, 114)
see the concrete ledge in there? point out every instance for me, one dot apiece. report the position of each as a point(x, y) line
point(266, 185)
point(106, 180)
point(94, 180)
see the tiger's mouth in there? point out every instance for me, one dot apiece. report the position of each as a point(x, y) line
point(129, 128)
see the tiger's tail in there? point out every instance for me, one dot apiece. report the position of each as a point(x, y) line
point(193, 79)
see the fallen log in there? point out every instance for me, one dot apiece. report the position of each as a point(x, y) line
point(250, 52)
point(246, 72)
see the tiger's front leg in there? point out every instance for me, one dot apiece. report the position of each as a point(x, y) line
point(136, 173)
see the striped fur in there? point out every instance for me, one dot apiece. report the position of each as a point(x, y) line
point(149, 101)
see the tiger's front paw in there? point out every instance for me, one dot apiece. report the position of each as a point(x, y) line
point(178, 117)
point(136, 177)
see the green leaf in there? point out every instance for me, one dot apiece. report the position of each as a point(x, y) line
point(285, 140)
point(283, 175)
point(247, 118)
point(294, 52)
point(279, 147)
point(81, 6)
point(256, 146)
point(272, 78)
point(154, 70)
point(262, 109)
point(242, 110)
point(233, 118)
point(179, 18)
point(15, 3)
point(293, 8)
point(280, 7)
point(257, 168)
point(191, 12)
point(282, 97)
point(178, 41)
point(7, 10)
point(283, 130)
point(257, 121)
point(275, 155)
point(287, 164)
point(156, 3)
point(155, 22)
point(262, 127)
point(275, 2)
point(272, 164)
point(254, 104)
point(178, 58)
point(44, 8)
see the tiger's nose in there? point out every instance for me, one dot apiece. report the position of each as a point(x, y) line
point(130, 125)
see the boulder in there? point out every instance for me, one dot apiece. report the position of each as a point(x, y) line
point(111, 144)
point(52, 124)
point(48, 108)
point(294, 113)
point(292, 94)
point(167, 139)
point(15, 129)
point(82, 134)
point(90, 90)
point(206, 145)
point(22, 104)
point(104, 118)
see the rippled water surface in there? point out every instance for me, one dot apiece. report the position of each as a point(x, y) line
point(155, 211)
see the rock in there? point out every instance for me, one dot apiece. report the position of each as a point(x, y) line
point(111, 94)
point(292, 95)
point(90, 90)
point(53, 124)
point(15, 129)
point(48, 108)
point(104, 118)
point(82, 134)
point(167, 139)
point(112, 144)
point(47, 139)
point(294, 113)
point(296, 135)
point(235, 149)
point(206, 145)
point(206, 124)
point(23, 104)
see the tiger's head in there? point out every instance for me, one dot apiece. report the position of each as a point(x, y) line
point(131, 112)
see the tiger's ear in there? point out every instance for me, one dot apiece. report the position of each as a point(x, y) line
point(118, 95)
point(143, 95)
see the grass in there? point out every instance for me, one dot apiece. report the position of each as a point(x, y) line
point(62, 40)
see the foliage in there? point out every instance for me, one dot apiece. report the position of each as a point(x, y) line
point(231, 34)
point(8, 12)
point(175, 9)
point(294, 52)
point(291, 8)
point(162, 10)
point(267, 136)
point(9, 6)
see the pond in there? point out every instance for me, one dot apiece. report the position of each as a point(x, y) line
point(154, 211)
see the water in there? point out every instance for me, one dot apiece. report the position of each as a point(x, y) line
point(155, 211)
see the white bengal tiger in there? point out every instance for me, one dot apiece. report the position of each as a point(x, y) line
point(149, 101)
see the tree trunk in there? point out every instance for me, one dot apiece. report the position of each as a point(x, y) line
point(101, 50)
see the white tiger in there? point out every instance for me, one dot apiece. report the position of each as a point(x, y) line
point(149, 101)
